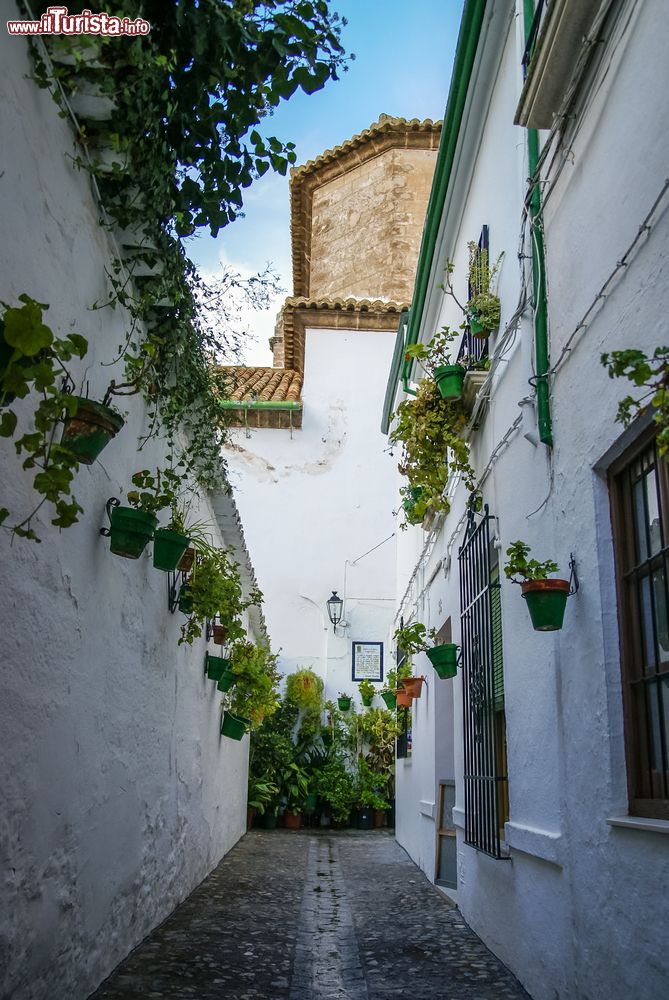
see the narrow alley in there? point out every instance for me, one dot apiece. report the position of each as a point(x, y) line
point(314, 916)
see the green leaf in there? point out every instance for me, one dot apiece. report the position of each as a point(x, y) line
point(7, 423)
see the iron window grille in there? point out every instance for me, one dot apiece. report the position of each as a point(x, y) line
point(485, 777)
point(474, 349)
point(639, 484)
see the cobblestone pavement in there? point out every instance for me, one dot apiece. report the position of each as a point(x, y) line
point(313, 916)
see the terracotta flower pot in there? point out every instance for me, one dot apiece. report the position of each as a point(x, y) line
point(380, 818)
point(413, 686)
point(546, 602)
point(404, 699)
point(219, 634)
point(293, 821)
point(186, 562)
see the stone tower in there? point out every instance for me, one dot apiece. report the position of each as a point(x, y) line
point(357, 214)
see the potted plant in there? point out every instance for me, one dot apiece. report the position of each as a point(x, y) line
point(305, 689)
point(483, 309)
point(416, 638)
point(335, 787)
point(89, 428)
point(260, 794)
point(134, 526)
point(254, 695)
point(294, 787)
point(435, 359)
point(343, 701)
point(367, 794)
point(367, 692)
point(170, 543)
point(546, 597)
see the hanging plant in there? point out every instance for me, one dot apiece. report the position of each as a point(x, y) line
point(214, 590)
point(648, 372)
point(483, 307)
point(255, 694)
point(90, 428)
point(546, 598)
point(305, 689)
point(416, 638)
point(367, 692)
point(429, 430)
point(33, 362)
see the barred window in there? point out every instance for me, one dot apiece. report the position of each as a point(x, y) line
point(484, 722)
point(639, 489)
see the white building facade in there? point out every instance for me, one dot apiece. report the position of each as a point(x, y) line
point(119, 794)
point(562, 869)
point(313, 472)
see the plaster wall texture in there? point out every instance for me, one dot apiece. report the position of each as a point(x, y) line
point(324, 497)
point(367, 226)
point(118, 794)
point(563, 911)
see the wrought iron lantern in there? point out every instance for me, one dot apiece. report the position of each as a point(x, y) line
point(335, 607)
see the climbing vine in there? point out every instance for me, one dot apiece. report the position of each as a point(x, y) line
point(650, 373)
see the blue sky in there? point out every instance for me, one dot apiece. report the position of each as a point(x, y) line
point(404, 54)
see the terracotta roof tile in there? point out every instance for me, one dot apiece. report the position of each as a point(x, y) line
point(266, 384)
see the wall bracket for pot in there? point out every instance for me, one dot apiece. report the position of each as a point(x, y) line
point(573, 576)
point(109, 506)
point(175, 581)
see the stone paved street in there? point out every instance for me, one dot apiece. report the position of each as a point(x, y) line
point(313, 916)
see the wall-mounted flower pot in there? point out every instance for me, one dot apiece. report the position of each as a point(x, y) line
point(292, 820)
point(413, 686)
point(403, 698)
point(546, 602)
point(344, 704)
point(90, 429)
point(477, 329)
point(185, 564)
point(367, 700)
point(234, 726)
point(390, 699)
point(185, 600)
point(444, 659)
point(365, 819)
point(131, 531)
point(226, 680)
point(219, 634)
point(168, 548)
point(449, 379)
point(215, 665)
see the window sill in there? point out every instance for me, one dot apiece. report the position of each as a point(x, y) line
point(639, 823)
point(542, 844)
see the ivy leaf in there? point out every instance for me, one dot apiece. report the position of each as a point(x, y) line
point(24, 329)
point(7, 424)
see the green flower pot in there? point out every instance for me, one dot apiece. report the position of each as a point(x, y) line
point(131, 531)
point(546, 602)
point(390, 699)
point(185, 600)
point(226, 680)
point(365, 819)
point(367, 700)
point(310, 803)
point(215, 666)
point(168, 548)
point(234, 726)
point(449, 379)
point(444, 659)
point(267, 821)
point(344, 704)
point(90, 429)
point(477, 329)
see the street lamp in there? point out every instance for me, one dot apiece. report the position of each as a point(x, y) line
point(335, 607)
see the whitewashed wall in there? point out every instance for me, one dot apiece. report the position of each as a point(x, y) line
point(118, 793)
point(565, 912)
point(319, 500)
